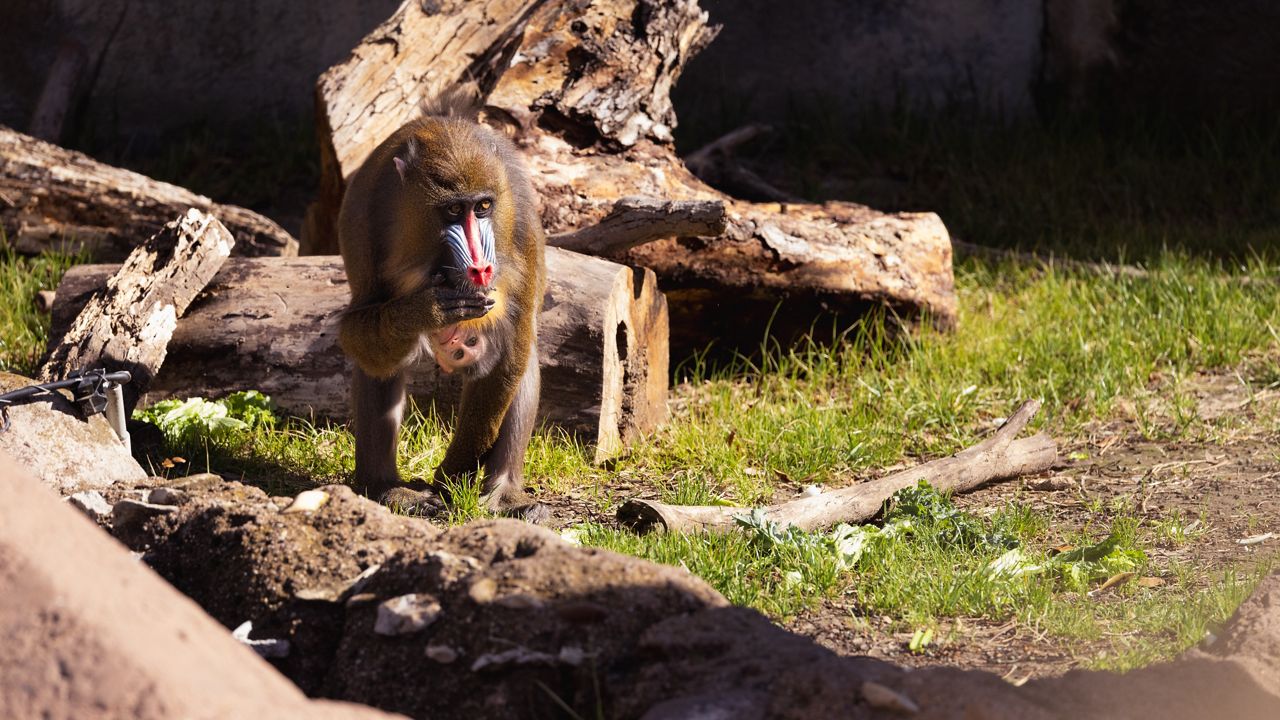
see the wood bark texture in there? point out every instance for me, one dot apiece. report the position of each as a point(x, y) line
point(52, 198)
point(998, 457)
point(128, 322)
point(636, 221)
point(270, 324)
point(583, 88)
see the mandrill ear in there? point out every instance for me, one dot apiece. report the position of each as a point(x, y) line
point(405, 159)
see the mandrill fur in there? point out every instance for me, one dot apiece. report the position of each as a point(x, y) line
point(442, 244)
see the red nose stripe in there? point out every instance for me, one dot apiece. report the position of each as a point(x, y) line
point(480, 271)
point(472, 231)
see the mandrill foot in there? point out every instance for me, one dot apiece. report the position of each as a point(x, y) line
point(418, 503)
point(535, 513)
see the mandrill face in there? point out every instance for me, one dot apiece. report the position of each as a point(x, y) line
point(457, 347)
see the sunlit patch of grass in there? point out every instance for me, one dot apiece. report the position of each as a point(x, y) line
point(23, 329)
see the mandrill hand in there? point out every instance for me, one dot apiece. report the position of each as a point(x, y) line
point(439, 304)
point(456, 304)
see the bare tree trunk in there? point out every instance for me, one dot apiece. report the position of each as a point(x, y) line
point(128, 324)
point(584, 90)
point(999, 456)
point(270, 324)
point(52, 198)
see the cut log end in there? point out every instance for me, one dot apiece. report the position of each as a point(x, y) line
point(642, 516)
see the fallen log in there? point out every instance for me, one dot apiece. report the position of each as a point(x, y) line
point(998, 457)
point(52, 198)
point(127, 326)
point(584, 91)
point(270, 324)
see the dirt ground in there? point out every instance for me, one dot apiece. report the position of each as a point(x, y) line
point(1225, 484)
point(1226, 489)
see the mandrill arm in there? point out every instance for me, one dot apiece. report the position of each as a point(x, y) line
point(381, 337)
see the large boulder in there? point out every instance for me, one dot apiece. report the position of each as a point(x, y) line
point(53, 441)
point(88, 631)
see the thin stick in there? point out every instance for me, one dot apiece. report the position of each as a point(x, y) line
point(998, 457)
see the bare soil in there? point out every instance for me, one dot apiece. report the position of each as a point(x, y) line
point(1225, 488)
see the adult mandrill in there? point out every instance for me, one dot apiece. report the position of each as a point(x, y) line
point(441, 240)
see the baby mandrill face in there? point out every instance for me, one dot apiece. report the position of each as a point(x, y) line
point(456, 347)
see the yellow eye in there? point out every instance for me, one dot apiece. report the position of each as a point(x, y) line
point(484, 205)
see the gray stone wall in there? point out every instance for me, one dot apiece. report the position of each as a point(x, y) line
point(867, 53)
point(159, 64)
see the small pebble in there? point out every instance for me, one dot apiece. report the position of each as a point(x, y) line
point(91, 503)
point(165, 496)
point(442, 654)
point(483, 590)
point(267, 648)
point(406, 614)
point(307, 501)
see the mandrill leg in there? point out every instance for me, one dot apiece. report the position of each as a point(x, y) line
point(504, 463)
point(378, 408)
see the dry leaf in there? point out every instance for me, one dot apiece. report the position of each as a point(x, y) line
point(1113, 581)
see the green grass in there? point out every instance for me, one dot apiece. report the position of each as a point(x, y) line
point(24, 330)
point(1200, 210)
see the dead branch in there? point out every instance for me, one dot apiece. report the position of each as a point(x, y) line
point(129, 324)
point(996, 458)
point(724, 145)
point(638, 220)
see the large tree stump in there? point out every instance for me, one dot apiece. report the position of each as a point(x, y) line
point(127, 326)
point(583, 88)
point(270, 324)
point(52, 198)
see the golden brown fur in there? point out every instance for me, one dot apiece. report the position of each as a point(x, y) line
point(390, 230)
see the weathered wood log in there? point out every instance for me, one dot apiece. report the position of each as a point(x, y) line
point(269, 324)
point(52, 198)
point(635, 221)
point(128, 325)
point(584, 91)
point(998, 457)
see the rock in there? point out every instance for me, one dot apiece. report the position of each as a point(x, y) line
point(165, 496)
point(307, 501)
point(90, 633)
point(267, 647)
point(53, 442)
point(128, 513)
point(483, 591)
point(442, 654)
point(129, 519)
point(91, 503)
point(524, 656)
point(406, 614)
